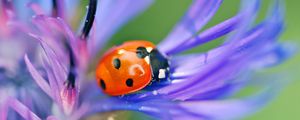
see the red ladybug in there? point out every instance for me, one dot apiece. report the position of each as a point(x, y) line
point(130, 67)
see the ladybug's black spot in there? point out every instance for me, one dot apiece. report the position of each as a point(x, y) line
point(117, 63)
point(129, 82)
point(141, 52)
point(102, 84)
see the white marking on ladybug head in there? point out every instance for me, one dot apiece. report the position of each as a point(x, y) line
point(149, 49)
point(162, 73)
point(147, 59)
point(121, 51)
point(134, 68)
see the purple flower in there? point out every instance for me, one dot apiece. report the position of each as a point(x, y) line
point(201, 85)
point(15, 80)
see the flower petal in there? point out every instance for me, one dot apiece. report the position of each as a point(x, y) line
point(219, 64)
point(200, 12)
point(69, 99)
point(3, 104)
point(52, 118)
point(22, 110)
point(209, 34)
point(37, 77)
point(272, 56)
point(230, 109)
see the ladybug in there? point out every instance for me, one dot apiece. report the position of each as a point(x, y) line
point(130, 67)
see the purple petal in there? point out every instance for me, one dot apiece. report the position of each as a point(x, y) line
point(111, 16)
point(52, 26)
point(197, 16)
point(37, 77)
point(54, 86)
point(229, 109)
point(226, 65)
point(69, 99)
point(52, 118)
point(255, 41)
point(57, 67)
point(50, 32)
point(3, 105)
point(272, 56)
point(208, 35)
point(220, 64)
point(66, 97)
point(199, 109)
point(56, 28)
point(3, 112)
point(22, 110)
point(80, 111)
point(55, 73)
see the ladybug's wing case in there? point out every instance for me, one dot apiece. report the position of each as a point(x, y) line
point(131, 67)
point(121, 71)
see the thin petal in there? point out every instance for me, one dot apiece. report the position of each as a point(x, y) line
point(57, 67)
point(3, 105)
point(69, 99)
point(273, 56)
point(234, 54)
point(223, 60)
point(22, 110)
point(208, 35)
point(197, 16)
point(38, 78)
point(66, 97)
point(52, 118)
point(230, 109)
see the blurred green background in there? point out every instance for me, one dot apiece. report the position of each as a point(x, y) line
point(159, 19)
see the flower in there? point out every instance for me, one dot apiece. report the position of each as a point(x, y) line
point(201, 85)
point(15, 79)
point(58, 41)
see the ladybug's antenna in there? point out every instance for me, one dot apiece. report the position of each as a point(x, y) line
point(89, 20)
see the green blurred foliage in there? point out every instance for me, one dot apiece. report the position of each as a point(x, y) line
point(159, 19)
